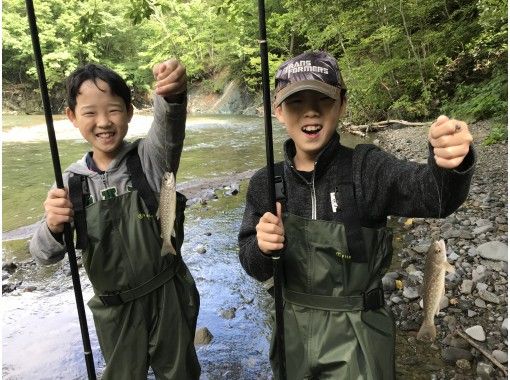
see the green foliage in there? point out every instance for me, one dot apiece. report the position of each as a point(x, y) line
point(479, 101)
point(398, 59)
point(498, 133)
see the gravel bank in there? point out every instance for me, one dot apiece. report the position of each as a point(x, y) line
point(477, 238)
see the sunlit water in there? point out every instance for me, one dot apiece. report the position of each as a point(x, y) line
point(41, 334)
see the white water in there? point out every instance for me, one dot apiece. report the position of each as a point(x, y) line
point(138, 127)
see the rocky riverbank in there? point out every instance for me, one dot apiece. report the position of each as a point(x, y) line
point(476, 301)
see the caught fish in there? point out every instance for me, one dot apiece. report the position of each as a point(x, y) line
point(436, 266)
point(166, 212)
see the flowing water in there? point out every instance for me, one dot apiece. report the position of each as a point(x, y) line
point(40, 330)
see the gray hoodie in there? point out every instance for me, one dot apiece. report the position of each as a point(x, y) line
point(163, 143)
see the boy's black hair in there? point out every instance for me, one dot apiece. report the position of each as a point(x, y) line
point(95, 72)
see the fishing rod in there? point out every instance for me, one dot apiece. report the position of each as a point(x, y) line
point(68, 235)
point(277, 262)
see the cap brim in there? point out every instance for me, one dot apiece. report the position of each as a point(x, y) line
point(314, 85)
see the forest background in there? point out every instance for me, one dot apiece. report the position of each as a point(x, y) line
point(400, 59)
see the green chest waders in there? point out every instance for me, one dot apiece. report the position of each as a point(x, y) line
point(335, 325)
point(145, 305)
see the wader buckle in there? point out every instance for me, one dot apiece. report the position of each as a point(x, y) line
point(111, 299)
point(373, 299)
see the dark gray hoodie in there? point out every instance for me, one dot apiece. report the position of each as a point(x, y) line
point(383, 185)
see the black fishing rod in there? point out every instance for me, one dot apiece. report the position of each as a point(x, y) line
point(68, 234)
point(277, 263)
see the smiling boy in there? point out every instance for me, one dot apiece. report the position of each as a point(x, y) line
point(332, 224)
point(145, 305)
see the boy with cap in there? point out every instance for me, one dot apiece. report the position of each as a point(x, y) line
point(145, 304)
point(332, 224)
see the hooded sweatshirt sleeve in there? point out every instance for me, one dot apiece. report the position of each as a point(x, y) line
point(385, 185)
point(161, 150)
point(255, 263)
point(45, 247)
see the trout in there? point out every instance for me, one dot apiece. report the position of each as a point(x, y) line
point(436, 266)
point(166, 212)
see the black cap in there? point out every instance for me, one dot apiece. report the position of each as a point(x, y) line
point(316, 71)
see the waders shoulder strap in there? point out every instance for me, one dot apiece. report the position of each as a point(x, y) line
point(140, 181)
point(78, 193)
point(279, 184)
point(348, 207)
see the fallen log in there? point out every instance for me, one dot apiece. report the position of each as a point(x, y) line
point(380, 125)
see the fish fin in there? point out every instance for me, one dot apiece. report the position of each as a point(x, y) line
point(167, 248)
point(449, 267)
point(427, 332)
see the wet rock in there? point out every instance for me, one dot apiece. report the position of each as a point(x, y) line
point(202, 336)
point(229, 313)
point(466, 287)
point(452, 354)
point(500, 356)
point(410, 325)
point(9, 267)
point(476, 332)
point(459, 343)
point(421, 249)
point(482, 229)
point(200, 249)
point(463, 364)
point(233, 189)
point(410, 292)
point(9, 288)
point(479, 273)
point(480, 303)
point(30, 288)
point(5, 275)
point(488, 296)
point(388, 283)
point(504, 327)
point(485, 371)
point(493, 250)
point(471, 313)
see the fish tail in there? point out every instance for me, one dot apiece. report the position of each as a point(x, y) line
point(427, 332)
point(167, 248)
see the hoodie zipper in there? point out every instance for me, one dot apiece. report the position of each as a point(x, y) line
point(312, 189)
point(104, 179)
point(314, 198)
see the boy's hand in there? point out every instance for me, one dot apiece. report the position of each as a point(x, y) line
point(270, 233)
point(170, 78)
point(450, 139)
point(59, 210)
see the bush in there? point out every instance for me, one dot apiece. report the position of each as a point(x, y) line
point(479, 101)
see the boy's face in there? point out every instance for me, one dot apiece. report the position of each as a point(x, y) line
point(101, 117)
point(310, 118)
